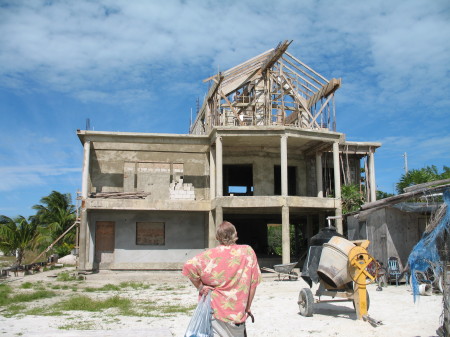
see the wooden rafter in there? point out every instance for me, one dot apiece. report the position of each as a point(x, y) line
point(325, 91)
point(276, 54)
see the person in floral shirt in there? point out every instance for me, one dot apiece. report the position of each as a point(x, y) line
point(232, 273)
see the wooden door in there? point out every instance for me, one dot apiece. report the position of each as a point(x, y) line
point(104, 243)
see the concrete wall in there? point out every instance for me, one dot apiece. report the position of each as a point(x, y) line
point(185, 236)
point(390, 231)
point(147, 170)
point(263, 170)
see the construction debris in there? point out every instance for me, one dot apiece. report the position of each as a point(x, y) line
point(120, 195)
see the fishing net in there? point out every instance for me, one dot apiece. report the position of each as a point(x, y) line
point(429, 252)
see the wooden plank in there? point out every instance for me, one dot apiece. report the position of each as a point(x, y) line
point(431, 183)
point(212, 90)
point(305, 73)
point(399, 198)
point(322, 107)
point(309, 68)
point(276, 54)
point(325, 91)
point(302, 101)
point(228, 88)
point(231, 105)
point(244, 64)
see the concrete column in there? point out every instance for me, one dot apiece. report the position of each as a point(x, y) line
point(211, 230)
point(219, 167)
point(337, 188)
point(85, 173)
point(83, 249)
point(319, 180)
point(284, 166)
point(372, 184)
point(84, 241)
point(219, 216)
point(285, 237)
point(309, 227)
point(212, 173)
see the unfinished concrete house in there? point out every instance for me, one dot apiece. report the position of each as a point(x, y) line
point(263, 151)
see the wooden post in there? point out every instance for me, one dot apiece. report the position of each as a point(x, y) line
point(373, 187)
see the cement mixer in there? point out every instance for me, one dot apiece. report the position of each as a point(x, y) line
point(341, 273)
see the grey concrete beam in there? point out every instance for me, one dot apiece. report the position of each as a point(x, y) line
point(148, 205)
point(139, 137)
point(114, 146)
point(274, 201)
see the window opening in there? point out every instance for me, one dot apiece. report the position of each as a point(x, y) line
point(238, 180)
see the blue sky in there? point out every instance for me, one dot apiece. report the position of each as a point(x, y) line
point(138, 66)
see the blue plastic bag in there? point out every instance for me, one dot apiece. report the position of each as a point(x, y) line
point(200, 324)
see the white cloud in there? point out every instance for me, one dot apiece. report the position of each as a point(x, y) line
point(17, 177)
point(90, 48)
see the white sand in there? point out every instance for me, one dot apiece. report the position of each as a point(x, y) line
point(275, 309)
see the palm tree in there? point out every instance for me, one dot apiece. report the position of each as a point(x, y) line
point(17, 235)
point(420, 176)
point(55, 214)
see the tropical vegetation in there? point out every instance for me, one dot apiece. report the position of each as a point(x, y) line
point(420, 176)
point(54, 215)
point(16, 236)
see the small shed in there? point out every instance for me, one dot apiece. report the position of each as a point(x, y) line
point(393, 225)
point(392, 230)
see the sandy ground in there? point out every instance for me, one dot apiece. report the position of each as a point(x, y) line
point(275, 309)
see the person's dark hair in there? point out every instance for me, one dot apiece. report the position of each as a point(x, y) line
point(226, 233)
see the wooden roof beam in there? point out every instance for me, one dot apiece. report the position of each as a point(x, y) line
point(217, 80)
point(309, 68)
point(276, 54)
point(304, 73)
point(325, 91)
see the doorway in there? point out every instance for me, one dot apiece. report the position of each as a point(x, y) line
point(104, 244)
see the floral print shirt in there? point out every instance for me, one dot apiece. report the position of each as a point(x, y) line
point(232, 271)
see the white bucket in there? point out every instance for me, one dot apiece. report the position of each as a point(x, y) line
point(425, 289)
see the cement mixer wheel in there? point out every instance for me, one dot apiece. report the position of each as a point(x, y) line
point(306, 302)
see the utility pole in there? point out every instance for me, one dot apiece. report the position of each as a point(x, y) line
point(405, 156)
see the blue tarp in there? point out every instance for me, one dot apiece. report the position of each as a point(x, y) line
point(425, 253)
